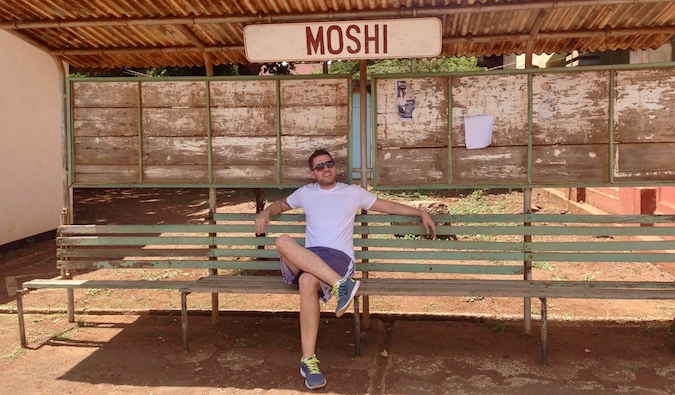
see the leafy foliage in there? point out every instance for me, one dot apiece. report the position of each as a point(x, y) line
point(434, 65)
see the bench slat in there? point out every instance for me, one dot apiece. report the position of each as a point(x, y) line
point(105, 284)
point(441, 255)
point(169, 264)
point(439, 268)
point(601, 257)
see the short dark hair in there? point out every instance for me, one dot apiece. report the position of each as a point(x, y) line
point(316, 153)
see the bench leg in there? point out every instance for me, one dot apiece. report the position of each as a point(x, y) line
point(357, 327)
point(184, 318)
point(19, 311)
point(544, 332)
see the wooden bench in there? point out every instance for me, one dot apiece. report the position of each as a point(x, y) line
point(475, 255)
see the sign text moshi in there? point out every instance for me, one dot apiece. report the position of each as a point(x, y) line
point(319, 41)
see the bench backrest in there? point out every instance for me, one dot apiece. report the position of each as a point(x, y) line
point(467, 244)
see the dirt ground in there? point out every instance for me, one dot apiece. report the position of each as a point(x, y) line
point(129, 341)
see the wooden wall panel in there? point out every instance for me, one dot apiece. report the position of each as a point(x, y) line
point(243, 93)
point(429, 127)
point(180, 174)
point(570, 164)
point(496, 165)
point(645, 106)
point(106, 174)
point(244, 151)
point(106, 150)
point(415, 166)
point(174, 94)
point(653, 162)
point(314, 121)
point(320, 92)
point(105, 122)
point(243, 121)
point(570, 108)
point(174, 122)
point(245, 174)
point(504, 96)
point(175, 150)
point(105, 94)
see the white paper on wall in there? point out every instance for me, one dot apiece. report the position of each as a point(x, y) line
point(478, 131)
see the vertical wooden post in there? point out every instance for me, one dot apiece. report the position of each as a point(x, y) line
point(544, 332)
point(213, 194)
point(527, 209)
point(363, 81)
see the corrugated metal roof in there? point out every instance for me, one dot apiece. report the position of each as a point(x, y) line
point(122, 33)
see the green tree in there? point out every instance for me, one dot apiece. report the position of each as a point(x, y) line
point(434, 65)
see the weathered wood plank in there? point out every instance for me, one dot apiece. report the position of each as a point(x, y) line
point(245, 174)
point(106, 150)
point(412, 166)
point(175, 150)
point(101, 122)
point(504, 96)
point(499, 165)
point(314, 120)
point(173, 94)
point(644, 106)
point(106, 174)
point(243, 121)
point(570, 163)
point(564, 114)
point(175, 174)
point(322, 92)
point(429, 122)
point(297, 149)
point(244, 151)
point(647, 162)
point(174, 122)
point(105, 94)
point(243, 93)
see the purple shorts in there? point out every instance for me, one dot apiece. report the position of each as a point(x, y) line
point(336, 259)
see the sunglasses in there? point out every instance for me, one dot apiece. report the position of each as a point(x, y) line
point(320, 166)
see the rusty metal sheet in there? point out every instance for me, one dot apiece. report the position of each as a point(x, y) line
point(173, 94)
point(570, 108)
point(105, 94)
point(646, 161)
point(174, 121)
point(243, 121)
point(644, 103)
point(175, 150)
point(413, 166)
point(570, 163)
point(242, 93)
point(503, 96)
point(105, 122)
point(501, 165)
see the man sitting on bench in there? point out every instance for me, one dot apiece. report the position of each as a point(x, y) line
point(325, 265)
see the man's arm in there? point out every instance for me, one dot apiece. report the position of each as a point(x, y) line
point(389, 207)
point(262, 222)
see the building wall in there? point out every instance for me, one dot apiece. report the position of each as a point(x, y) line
point(30, 141)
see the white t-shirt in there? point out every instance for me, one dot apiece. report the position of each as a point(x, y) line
point(330, 214)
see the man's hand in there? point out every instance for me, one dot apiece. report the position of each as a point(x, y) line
point(428, 223)
point(262, 223)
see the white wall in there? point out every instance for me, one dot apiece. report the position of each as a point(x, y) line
point(30, 141)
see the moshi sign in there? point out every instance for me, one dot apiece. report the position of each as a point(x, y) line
point(318, 41)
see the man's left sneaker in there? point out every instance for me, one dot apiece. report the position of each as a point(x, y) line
point(344, 290)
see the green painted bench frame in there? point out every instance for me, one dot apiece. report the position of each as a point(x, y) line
point(230, 243)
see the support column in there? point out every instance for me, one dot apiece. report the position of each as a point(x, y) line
point(527, 209)
point(363, 81)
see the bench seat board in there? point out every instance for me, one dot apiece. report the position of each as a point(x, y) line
point(105, 284)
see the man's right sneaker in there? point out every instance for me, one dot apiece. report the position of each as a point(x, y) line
point(309, 369)
point(344, 290)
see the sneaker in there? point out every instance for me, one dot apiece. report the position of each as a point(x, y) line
point(309, 369)
point(344, 290)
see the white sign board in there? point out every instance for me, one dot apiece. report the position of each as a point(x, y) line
point(345, 40)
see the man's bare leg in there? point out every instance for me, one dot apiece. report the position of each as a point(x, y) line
point(299, 258)
point(310, 313)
